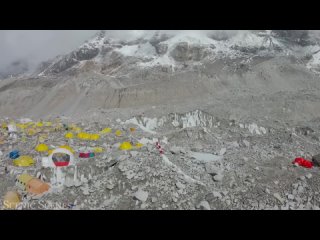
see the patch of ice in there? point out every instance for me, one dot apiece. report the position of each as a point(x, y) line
point(164, 60)
point(190, 37)
point(179, 171)
point(144, 128)
point(315, 61)
point(205, 156)
point(246, 39)
point(196, 118)
point(254, 129)
point(128, 50)
point(25, 120)
point(145, 141)
point(147, 124)
point(143, 50)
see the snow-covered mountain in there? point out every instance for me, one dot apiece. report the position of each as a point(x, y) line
point(175, 52)
point(166, 68)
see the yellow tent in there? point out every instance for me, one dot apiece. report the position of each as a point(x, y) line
point(125, 146)
point(84, 136)
point(106, 130)
point(98, 150)
point(94, 137)
point(68, 135)
point(39, 124)
point(4, 125)
point(31, 131)
point(118, 133)
point(21, 125)
point(68, 148)
point(139, 145)
point(42, 147)
point(23, 161)
point(48, 124)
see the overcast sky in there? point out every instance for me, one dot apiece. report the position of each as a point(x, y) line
point(38, 45)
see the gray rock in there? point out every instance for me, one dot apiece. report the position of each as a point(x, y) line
point(150, 148)
point(278, 197)
point(309, 175)
point(109, 186)
point(212, 169)
point(204, 205)
point(85, 191)
point(197, 147)
point(133, 153)
point(218, 177)
point(141, 195)
point(161, 48)
point(290, 197)
point(180, 185)
point(180, 52)
point(143, 205)
point(246, 143)
point(222, 151)
point(177, 150)
point(316, 160)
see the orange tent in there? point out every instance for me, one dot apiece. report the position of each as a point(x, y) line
point(36, 186)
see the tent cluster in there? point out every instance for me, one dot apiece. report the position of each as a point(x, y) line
point(43, 137)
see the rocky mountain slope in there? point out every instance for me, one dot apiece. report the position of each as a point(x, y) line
point(160, 69)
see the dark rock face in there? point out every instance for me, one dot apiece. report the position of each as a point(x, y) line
point(157, 38)
point(114, 60)
point(105, 50)
point(180, 52)
point(86, 53)
point(65, 63)
point(161, 48)
point(248, 50)
point(198, 52)
point(299, 37)
point(137, 41)
point(305, 131)
point(185, 52)
point(157, 42)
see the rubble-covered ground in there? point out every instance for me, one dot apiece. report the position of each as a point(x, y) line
point(208, 163)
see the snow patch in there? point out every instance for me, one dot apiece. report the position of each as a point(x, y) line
point(143, 50)
point(179, 171)
point(206, 157)
point(254, 129)
point(147, 124)
point(193, 119)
